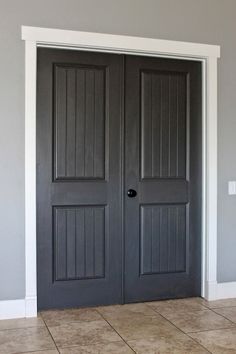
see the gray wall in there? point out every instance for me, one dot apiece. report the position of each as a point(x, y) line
point(206, 21)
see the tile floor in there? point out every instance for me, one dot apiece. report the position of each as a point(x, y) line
point(189, 326)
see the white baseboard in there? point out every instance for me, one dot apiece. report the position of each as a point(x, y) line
point(226, 290)
point(12, 309)
point(218, 291)
point(18, 308)
point(28, 307)
point(210, 290)
point(31, 306)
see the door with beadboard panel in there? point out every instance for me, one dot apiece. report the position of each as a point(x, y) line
point(78, 178)
point(163, 166)
point(83, 256)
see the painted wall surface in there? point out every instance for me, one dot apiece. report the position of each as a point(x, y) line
point(206, 21)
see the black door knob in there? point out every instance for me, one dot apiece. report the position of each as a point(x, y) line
point(131, 193)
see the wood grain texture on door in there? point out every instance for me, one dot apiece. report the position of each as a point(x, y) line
point(79, 122)
point(79, 119)
point(163, 165)
point(163, 124)
point(118, 178)
point(163, 239)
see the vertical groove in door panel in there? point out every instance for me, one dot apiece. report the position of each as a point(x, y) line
point(60, 244)
point(163, 238)
point(89, 122)
point(80, 126)
point(173, 132)
point(181, 239)
point(60, 112)
point(164, 241)
point(79, 239)
point(99, 244)
point(146, 124)
point(165, 126)
point(79, 141)
point(80, 243)
point(70, 123)
point(89, 242)
point(71, 236)
point(146, 246)
point(99, 143)
point(155, 240)
point(163, 116)
point(182, 102)
point(156, 125)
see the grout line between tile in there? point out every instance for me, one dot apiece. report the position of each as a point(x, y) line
point(204, 306)
point(209, 309)
point(204, 309)
point(72, 321)
point(210, 330)
point(37, 351)
point(156, 312)
point(219, 314)
point(200, 345)
point(116, 331)
point(51, 335)
point(87, 345)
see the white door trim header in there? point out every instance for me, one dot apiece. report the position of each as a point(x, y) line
point(207, 54)
point(117, 43)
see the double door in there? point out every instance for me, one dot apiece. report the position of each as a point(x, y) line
point(118, 178)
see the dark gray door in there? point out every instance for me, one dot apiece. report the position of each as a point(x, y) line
point(118, 185)
point(163, 165)
point(79, 178)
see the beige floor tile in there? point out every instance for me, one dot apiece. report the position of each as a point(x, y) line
point(21, 323)
point(43, 352)
point(126, 310)
point(228, 312)
point(25, 340)
point(110, 348)
point(168, 306)
point(83, 333)
point(219, 341)
point(220, 303)
point(139, 326)
point(56, 317)
point(179, 344)
point(196, 321)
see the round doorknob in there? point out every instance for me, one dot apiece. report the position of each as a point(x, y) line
point(131, 193)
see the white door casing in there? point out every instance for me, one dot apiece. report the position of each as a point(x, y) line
point(207, 54)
